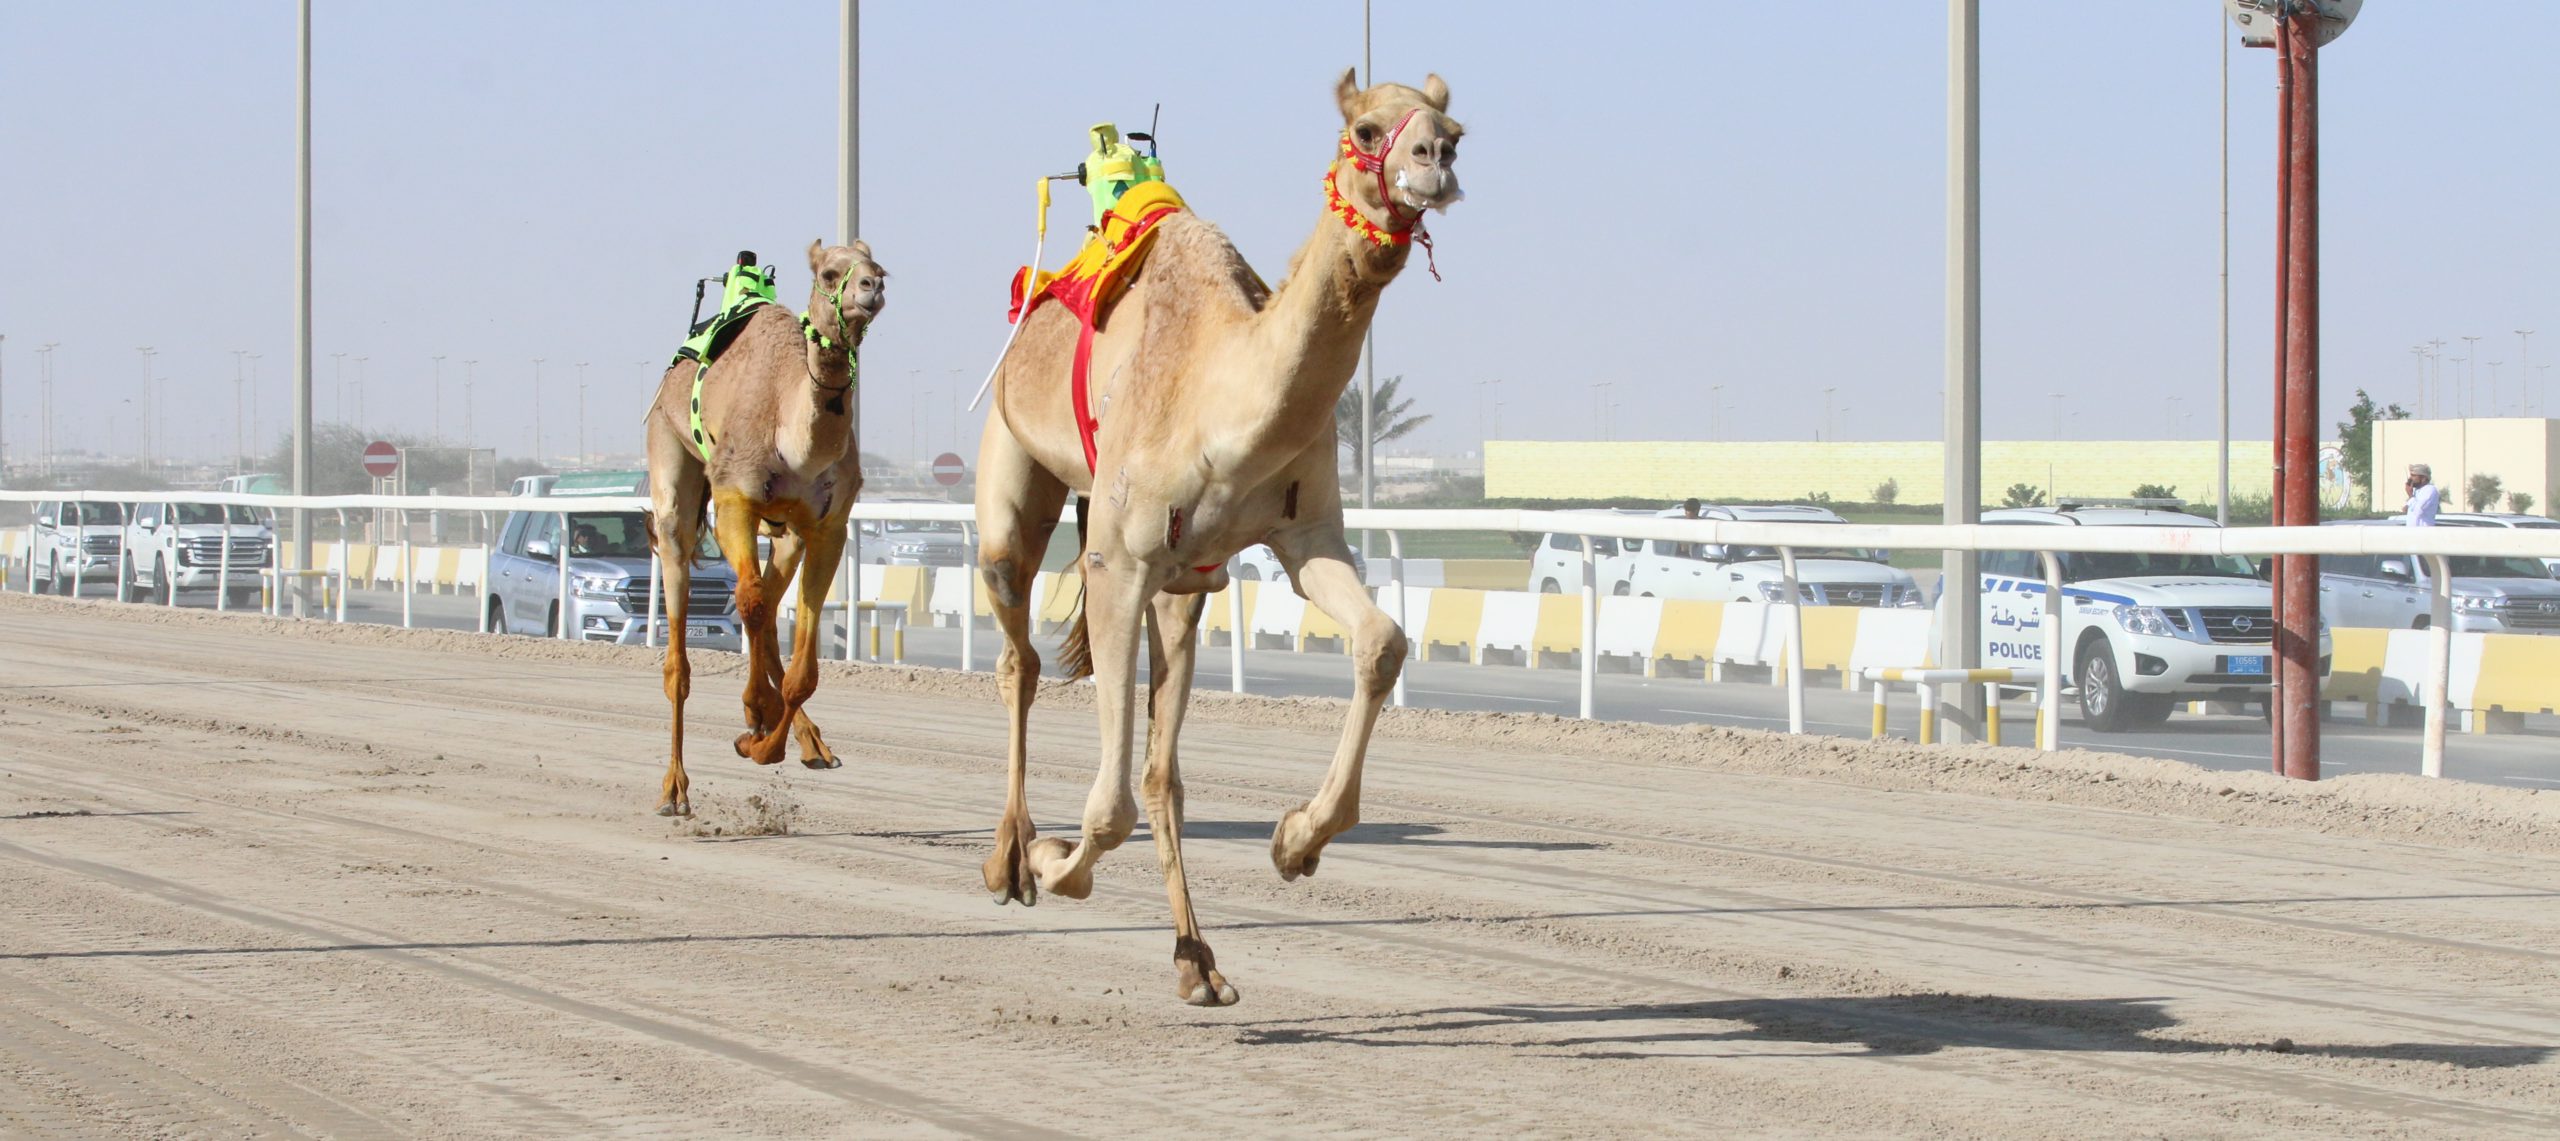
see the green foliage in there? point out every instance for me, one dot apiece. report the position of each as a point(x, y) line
point(2155, 491)
point(2355, 438)
point(337, 462)
point(1888, 491)
point(2520, 502)
point(2485, 491)
point(1819, 498)
point(2023, 495)
point(1390, 421)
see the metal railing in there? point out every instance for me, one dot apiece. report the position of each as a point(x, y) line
point(2435, 544)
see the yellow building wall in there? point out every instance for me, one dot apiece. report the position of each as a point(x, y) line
point(1850, 470)
point(2515, 449)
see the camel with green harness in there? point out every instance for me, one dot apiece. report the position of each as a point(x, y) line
point(1191, 417)
point(754, 431)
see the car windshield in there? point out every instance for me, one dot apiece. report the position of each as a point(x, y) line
point(621, 535)
point(190, 513)
point(91, 514)
point(2497, 566)
point(1741, 554)
point(2085, 566)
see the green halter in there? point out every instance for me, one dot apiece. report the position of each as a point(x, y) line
point(702, 439)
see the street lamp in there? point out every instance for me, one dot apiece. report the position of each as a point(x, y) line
point(2473, 404)
point(2524, 362)
point(437, 433)
point(537, 408)
point(582, 412)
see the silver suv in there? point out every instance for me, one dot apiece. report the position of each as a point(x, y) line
point(608, 564)
point(171, 547)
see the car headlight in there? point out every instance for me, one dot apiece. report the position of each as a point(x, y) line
point(908, 548)
point(2149, 621)
point(2478, 602)
point(1773, 591)
point(1910, 596)
point(598, 586)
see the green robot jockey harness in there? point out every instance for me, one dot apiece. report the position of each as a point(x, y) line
point(705, 347)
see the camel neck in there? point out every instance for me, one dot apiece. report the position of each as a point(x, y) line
point(1309, 333)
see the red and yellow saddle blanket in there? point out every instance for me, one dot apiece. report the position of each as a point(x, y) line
point(1094, 280)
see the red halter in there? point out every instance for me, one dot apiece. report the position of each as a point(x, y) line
point(1405, 230)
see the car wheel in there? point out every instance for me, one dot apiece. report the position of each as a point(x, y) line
point(551, 625)
point(165, 592)
point(1550, 586)
point(62, 583)
point(1620, 590)
point(2103, 701)
point(2422, 622)
point(2148, 710)
point(1248, 573)
point(497, 617)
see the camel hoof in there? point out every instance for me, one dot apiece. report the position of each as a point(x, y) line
point(676, 808)
point(1049, 852)
point(826, 762)
point(1295, 847)
point(1202, 995)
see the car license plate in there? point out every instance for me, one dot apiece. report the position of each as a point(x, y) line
point(2251, 664)
point(702, 631)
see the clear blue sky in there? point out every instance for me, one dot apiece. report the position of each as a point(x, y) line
point(1661, 196)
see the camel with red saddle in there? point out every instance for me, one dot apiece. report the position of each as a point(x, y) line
point(764, 438)
point(1201, 424)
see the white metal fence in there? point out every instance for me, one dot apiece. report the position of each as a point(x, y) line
point(2433, 544)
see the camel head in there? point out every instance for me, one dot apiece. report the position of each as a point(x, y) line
point(847, 290)
point(1404, 149)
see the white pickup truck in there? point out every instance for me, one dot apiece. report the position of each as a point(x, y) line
point(170, 547)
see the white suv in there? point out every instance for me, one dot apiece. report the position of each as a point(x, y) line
point(181, 546)
point(77, 545)
point(1825, 576)
point(1556, 566)
point(2139, 631)
point(2492, 594)
point(2513, 519)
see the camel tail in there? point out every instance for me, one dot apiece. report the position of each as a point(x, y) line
point(1075, 655)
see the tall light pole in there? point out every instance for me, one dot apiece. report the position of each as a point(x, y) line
point(1824, 433)
point(468, 428)
point(537, 408)
point(1599, 414)
point(2493, 386)
point(436, 434)
point(582, 412)
point(302, 314)
point(142, 427)
point(254, 358)
point(2524, 367)
point(338, 385)
point(2222, 453)
point(359, 391)
point(1368, 338)
point(2435, 364)
point(1960, 628)
point(2472, 385)
point(239, 409)
point(2420, 352)
point(44, 439)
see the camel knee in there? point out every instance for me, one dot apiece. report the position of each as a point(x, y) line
point(1381, 647)
point(679, 677)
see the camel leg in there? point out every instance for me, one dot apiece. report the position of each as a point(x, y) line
point(675, 533)
point(1117, 587)
point(1320, 566)
point(1018, 506)
point(825, 544)
point(1173, 626)
point(734, 518)
point(777, 577)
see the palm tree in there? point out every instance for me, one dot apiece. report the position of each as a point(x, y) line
point(1389, 420)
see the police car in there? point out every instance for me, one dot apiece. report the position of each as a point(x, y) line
point(2140, 632)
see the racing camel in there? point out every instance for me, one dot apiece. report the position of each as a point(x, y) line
point(1208, 427)
point(765, 439)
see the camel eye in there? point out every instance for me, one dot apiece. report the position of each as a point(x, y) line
point(870, 283)
point(1368, 135)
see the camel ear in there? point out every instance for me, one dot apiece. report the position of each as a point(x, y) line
point(861, 249)
point(1347, 93)
point(817, 253)
point(1435, 91)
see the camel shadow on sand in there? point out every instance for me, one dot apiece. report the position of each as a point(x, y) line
point(1255, 831)
point(1896, 1025)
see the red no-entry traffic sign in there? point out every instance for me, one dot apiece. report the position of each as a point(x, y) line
point(381, 459)
point(948, 469)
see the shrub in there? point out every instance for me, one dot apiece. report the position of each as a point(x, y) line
point(1888, 491)
point(2486, 489)
point(2155, 491)
point(2520, 502)
point(2023, 495)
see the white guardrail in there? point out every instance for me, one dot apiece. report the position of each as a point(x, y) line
point(2435, 544)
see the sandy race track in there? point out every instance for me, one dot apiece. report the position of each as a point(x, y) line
point(268, 879)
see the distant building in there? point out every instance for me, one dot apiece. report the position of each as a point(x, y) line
point(2519, 450)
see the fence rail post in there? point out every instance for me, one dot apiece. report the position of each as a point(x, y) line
point(1590, 670)
point(2439, 662)
point(2049, 690)
point(1795, 640)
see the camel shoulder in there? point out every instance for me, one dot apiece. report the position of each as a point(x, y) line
point(1195, 263)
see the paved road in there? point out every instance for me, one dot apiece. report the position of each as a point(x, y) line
point(2221, 742)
